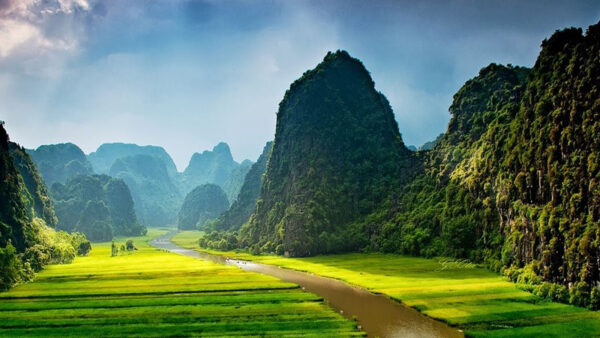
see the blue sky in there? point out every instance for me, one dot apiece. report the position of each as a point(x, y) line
point(186, 75)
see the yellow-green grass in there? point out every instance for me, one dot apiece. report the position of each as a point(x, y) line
point(463, 295)
point(151, 292)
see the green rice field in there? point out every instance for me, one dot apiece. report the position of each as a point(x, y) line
point(481, 302)
point(155, 293)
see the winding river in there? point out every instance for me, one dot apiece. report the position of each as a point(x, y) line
point(378, 315)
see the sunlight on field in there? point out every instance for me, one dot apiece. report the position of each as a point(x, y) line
point(473, 298)
point(150, 292)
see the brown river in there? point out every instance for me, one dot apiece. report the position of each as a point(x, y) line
point(378, 315)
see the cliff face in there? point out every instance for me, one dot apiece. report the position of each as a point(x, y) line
point(14, 215)
point(156, 196)
point(38, 196)
point(202, 204)
point(244, 205)
point(337, 153)
point(214, 167)
point(514, 180)
point(27, 244)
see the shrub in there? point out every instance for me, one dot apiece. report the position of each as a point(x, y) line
point(579, 294)
point(37, 256)
point(84, 248)
point(559, 293)
point(10, 267)
point(129, 245)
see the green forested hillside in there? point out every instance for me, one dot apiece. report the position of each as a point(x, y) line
point(37, 194)
point(202, 204)
point(216, 167)
point(337, 154)
point(513, 182)
point(59, 162)
point(156, 196)
point(436, 214)
point(98, 206)
point(244, 205)
point(26, 242)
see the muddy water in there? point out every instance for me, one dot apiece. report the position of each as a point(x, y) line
point(377, 315)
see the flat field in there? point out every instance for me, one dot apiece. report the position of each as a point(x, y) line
point(481, 302)
point(155, 293)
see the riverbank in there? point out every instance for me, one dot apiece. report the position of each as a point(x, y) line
point(377, 314)
point(463, 295)
point(151, 292)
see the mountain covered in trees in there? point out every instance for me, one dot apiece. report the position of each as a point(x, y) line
point(202, 204)
point(235, 181)
point(244, 205)
point(104, 157)
point(512, 183)
point(514, 180)
point(156, 195)
point(217, 167)
point(98, 206)
point(27, 243)
point(36, 194)
point(157, 188)
point(337, 154)
point(59, 162)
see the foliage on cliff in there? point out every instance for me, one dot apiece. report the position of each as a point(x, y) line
point(98, 206)
point(59, 162)
point(156, 196)
point(204, 203)
point(27, 244)
point(336, 156)
point(244, 205)
point(514, 181)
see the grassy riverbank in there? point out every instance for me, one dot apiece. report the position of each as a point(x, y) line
point(475, 299)
point(155, 293)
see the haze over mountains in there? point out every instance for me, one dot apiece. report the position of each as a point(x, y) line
point(156, 187)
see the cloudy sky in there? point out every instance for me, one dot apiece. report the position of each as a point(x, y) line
point(187, 74)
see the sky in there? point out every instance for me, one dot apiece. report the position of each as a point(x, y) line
point(186, 74)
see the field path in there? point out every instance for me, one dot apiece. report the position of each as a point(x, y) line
point(378, 315)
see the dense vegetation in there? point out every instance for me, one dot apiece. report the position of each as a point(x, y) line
point(244, 205)
point(98, 206)
point(337, 154)
point(59, 162)
point(157, 187)
point(216, 167)
point(27, 243)
point(156, 195)
point(458, 292)
point(150, 292)
point(204, 203)
point(37, 194)
point(514, 181)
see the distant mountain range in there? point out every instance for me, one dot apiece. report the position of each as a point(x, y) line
point(157, 188)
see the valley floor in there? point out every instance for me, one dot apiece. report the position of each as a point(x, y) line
point(150, 292)
point(479, 301)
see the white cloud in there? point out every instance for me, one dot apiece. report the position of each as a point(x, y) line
point(33, 28)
